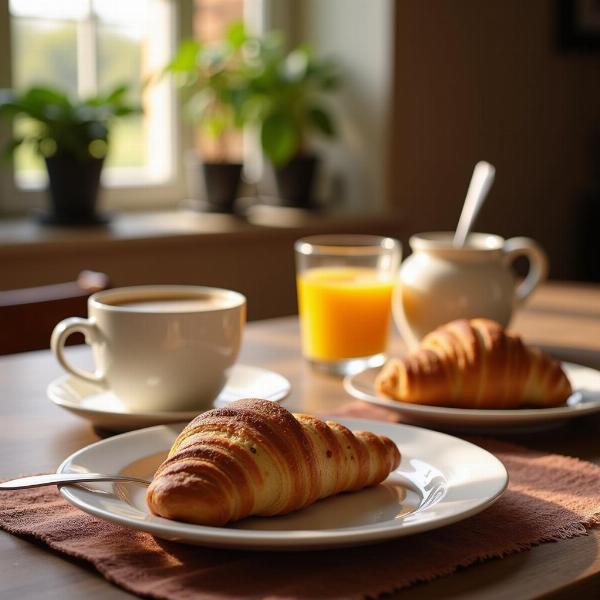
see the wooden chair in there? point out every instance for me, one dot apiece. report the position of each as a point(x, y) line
point(28, 316)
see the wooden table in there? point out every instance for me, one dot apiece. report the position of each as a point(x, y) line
point(36, 436)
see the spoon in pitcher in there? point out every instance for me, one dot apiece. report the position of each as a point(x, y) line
point(481, 182)
point(65, 478)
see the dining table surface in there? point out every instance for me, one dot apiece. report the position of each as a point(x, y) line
point(36, 436)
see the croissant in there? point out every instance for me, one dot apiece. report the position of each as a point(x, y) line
point(475, 364)
point(256, 458)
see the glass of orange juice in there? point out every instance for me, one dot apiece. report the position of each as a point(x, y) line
point(344, 287)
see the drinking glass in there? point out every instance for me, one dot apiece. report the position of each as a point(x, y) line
point(344, 285)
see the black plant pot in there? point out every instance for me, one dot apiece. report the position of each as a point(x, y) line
point(74, 186)
point(295, 181)
point(214, 185)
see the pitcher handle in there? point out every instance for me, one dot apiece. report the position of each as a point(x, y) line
point(57, 343)
point(538, 264)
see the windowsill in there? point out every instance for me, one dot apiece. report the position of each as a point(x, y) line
point(24, 235)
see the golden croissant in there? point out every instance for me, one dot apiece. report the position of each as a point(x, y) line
point(256, 458)
point(475, 364)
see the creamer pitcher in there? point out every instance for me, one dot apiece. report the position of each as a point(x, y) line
point(440, 282)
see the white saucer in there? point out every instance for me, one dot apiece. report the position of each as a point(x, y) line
point(440, 480)
point(103, 409)
point(584, 400)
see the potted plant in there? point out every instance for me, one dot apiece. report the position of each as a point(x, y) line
point(72, 137)
point(212, 81)
point(288, 91)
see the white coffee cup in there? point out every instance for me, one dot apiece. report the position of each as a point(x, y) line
point(159, 347)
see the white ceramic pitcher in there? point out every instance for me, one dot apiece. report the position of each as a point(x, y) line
point(439, 282)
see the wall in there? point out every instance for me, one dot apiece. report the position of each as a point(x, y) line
point(175, 248)
point(5, 78)
point(358, 34)
point(485, 80)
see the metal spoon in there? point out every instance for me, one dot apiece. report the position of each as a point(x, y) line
point(58, 478)
point(481, 182)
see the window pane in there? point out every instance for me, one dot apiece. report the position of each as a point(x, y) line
point(125, 13)
point(45, 51)
point(53, 9)
point(119, 61)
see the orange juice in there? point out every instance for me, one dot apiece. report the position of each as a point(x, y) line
point(344, 312)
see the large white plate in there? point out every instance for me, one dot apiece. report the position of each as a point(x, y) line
point(441, 479)
point(103, 409)
point(585, 400)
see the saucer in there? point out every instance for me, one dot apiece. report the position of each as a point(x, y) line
point(104, 409)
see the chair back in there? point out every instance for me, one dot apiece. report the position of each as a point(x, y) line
point(28, 316)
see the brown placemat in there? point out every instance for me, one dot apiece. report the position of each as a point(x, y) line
point(550, 497)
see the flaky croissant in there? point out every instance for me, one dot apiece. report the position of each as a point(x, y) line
point(475, 364)
point(256, 458)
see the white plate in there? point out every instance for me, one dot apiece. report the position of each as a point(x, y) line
point(441, 479)
point(585, 400)
point(104, 409)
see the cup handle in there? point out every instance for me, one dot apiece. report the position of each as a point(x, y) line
point(538, 264)
point(57, 343)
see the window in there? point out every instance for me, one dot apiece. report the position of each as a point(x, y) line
point(89, 46)
point(85, 46)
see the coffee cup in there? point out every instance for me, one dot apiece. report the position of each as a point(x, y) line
point(159, 347)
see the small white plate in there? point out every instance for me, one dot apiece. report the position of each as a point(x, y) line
point(104, 409)
point(441, 479)
point(585, 400)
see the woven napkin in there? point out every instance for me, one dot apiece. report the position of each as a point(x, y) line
point(550, 497)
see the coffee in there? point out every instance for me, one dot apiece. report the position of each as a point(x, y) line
point(171, 305)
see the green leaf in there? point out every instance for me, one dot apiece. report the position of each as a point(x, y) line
point(236, 34)
point(54, 123)
point(45, 105)
point(11, 146)
point(186, 59)
point(9, 104)
point(330, 81)
point(38, 97)
point(116, 96)
point(216, 122)
point(279, 137)
point(10, 109)
point(125, 111)
point(321, 120)
point(325, 75)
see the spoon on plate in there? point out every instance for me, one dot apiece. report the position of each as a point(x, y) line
point(61, 478)
point(481, 182)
